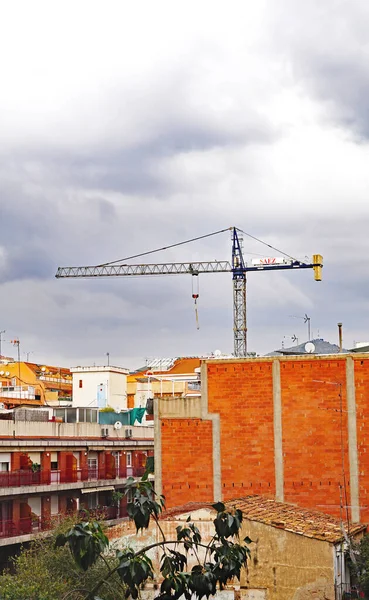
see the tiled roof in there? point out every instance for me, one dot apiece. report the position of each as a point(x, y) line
point(182, 366)
point(291, 518)
point(294, 519)
point(185, 508)
point(50, 369)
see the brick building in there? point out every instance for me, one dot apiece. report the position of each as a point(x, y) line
point(294, 428)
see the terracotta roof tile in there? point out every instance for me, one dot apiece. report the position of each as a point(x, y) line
point(292, 518)
point(281, 515)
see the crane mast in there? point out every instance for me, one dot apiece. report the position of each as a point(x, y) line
point(239, 297)
point(238, 267)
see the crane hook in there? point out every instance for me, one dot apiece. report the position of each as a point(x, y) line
point(195, 295)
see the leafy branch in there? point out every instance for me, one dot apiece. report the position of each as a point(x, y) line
point(224, 556)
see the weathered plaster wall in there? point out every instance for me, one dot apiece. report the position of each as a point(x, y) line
point(283, 565)
point(290, 566)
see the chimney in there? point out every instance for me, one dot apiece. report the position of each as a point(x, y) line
point(340, 335)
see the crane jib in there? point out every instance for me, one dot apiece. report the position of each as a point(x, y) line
point(175, 269)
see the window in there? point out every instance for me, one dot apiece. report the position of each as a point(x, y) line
point(92, 464)
point(54, 465)
point(129, 459)
point(71, 415)
point(80, 384)
point(4, 466)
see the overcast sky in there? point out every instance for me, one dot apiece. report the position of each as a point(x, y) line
point(125, 126)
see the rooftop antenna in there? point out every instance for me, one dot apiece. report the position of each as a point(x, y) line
point(108, 355)
point(306, 319)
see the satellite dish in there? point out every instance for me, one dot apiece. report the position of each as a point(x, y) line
point(7, 373)
point(1, 373)
point(117, 411)
point(309, 347)
point(117, 425)
point(43, 369)
point(218, 353)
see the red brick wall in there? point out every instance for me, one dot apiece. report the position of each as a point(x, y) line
point(362, 416)
point(315, 458)
point(242, 394)
point(311, 426)
point(187, 463)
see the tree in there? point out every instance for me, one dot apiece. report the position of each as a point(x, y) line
point(44, 572)
point(77, 563)
point(224, 555)
point(360, 566)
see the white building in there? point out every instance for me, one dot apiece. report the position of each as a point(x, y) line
point(98, 387)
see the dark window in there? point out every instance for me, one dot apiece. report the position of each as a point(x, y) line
point(54, 465)
point(80, 383)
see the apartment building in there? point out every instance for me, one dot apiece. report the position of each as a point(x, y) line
point(49, 467)
point(164, 377)
point(32, 384)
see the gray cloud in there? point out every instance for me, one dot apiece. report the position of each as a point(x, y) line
point(327, 46)
point(177, 144)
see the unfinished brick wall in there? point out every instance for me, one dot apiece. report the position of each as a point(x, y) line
point(242, 394)
point(314, 438)
point(362, 415)
point(312, 420)
point(187, 460)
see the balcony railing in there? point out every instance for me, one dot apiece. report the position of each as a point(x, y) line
point(25, 478)
point(34, 525)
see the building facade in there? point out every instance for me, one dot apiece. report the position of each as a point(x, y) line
point(49, 468)
point(100, 387)
point(33, 384)
point(296, 554)
point(291, 428)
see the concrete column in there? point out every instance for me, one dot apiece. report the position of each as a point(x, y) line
point(45, 467)
point(83, 455)
point(277, 424)
point(45, 512)
point(157, 449)
point(352, 440)
point(101, 464)
point(215, 419)
point(62, 504)
point(15, 461)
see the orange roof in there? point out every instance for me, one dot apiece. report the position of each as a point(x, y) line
point(182, 366)
point(291, 518)
point(49, 369)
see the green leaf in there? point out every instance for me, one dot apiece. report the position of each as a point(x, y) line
point(219, 506)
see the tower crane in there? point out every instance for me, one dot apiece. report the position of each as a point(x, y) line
point(238, 267)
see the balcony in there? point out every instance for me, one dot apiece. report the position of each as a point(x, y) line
point(31, 526)
point(30, 478)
